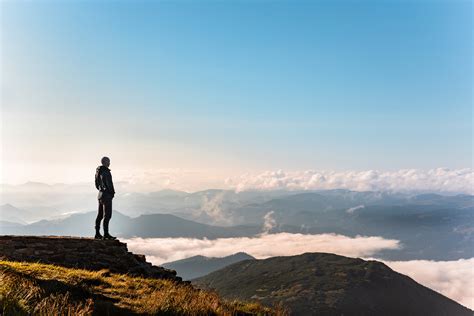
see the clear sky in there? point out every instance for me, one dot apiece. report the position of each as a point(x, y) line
point(226, 87)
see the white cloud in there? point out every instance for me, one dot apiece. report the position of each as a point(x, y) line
point(355, 208)
point(212, 207)
point(268, 222)
point(438, 180)
point(189, 180)
point(454, 279)
point(159, 250)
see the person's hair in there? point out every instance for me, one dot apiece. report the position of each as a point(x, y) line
point(104, 160)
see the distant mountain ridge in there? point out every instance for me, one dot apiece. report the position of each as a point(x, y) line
point(329, 284)
point(51, 200)
point(416, 220)
point(10, 213)
point(146, 226)
point(197, 266)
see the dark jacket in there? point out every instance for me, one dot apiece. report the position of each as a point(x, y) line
point(103, 183)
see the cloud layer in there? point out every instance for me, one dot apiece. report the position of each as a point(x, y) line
point(454, 279)
point(441, 180)
point(159, 250)
point(438, 180)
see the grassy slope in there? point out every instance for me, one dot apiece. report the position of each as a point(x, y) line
point(33, 288)
point(329, 284)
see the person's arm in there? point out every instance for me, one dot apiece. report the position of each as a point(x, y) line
point(97, 179)
point(103, 180)
point(110, 185)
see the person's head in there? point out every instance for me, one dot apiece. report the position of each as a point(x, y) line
point(105, 161)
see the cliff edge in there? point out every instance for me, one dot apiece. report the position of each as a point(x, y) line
point(81, 253)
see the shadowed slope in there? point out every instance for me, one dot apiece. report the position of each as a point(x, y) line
point(328, 284)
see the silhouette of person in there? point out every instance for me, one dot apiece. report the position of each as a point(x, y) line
point(103, 183)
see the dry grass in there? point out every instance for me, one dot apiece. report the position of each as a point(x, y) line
point(41, 289)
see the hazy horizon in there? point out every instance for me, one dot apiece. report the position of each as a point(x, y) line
point(440, 180)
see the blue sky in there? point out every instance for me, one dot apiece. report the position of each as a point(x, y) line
point(235, 85)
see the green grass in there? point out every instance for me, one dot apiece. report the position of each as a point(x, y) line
point(42, 289)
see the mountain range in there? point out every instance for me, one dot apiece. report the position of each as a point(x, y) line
point(428, 226)
point(197, 266)
point(146, 226)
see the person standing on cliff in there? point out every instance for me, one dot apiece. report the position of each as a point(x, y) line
point(103, 183)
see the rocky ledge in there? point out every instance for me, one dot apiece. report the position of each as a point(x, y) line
point(83, 253)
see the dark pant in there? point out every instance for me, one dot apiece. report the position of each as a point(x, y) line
point(105, 212)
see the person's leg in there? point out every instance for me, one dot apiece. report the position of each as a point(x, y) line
point(108, 215)
point(100, 215)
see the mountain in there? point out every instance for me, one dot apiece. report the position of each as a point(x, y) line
point(415, 220)
point(328, 284)
point(217, 207)
point(415, 226)
point(13, 214)
point(46, 201)
point(9, 224)
point(152, 225)
point(323, 202)
point(43, 289)
point(198, 266)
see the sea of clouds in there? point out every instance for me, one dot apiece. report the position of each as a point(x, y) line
point(454, 279)
point(160, 250)
point(441, 180)
point(431, 180)
point(428, 180)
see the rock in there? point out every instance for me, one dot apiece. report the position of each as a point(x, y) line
point(80, 252)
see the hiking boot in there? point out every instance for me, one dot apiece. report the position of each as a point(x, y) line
point(98, 236)
point(108, 236)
